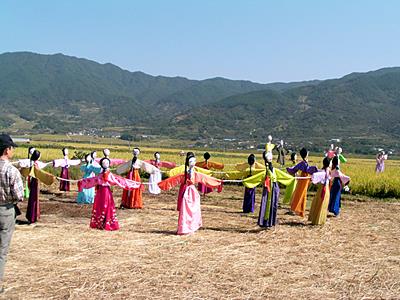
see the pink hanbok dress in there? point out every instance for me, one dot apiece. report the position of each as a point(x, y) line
point(113, 161)
point(189, 219)
point(103, 213)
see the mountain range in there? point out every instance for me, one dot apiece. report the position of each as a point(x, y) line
point(59, 93)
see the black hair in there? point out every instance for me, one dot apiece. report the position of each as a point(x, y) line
point(91, 154)
point(29, 150)
point(155, 158)
point(63, 151)
point(335, 162)
point(325, 162)
point(303, 153)
point(206, 156)
point(251, 160)
point(35, 155)
point(293, 156)
point(3, 149)
point(268, 164)
point(87, 156)
point(134, 159)
point(189, 155)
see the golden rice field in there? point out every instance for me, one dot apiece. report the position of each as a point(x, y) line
point(364, 181)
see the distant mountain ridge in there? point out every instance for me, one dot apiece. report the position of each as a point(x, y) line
point(59, 93)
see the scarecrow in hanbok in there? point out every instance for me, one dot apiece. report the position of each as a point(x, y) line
point(339, 181)
point(89, 170)
point(133, 198)
point(270, 178)
point(35, 174)
point(299, 198)
point(319, 205)
point(155, 177)
point(208, 165)
point(65, 163)
point(188, 205)
point(103, 212)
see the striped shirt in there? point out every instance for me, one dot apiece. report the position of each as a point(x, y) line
point(11, 186)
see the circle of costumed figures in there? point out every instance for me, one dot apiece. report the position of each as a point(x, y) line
point(194, 178)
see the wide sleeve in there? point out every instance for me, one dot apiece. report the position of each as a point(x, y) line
point(117, 162)
point(175, 171)
point(245, 166)
point(148, 168)
point(235, 175)
point(124, 168)
point(287, 180)
point(242, 166)
point(43, 176)
point(344, 178)
point(253, 181)
point(74, 162)
point(207, 180)
point(283, 177)
point(124, 183)
point(87, 183)
point(150, 161)
point(24, 163)
point(171, 182)
point(302, 166)
point(59, 163)
point(167, 164)
point(293, 170)
point(232, 175)
point(311, 169)
point(201, 164)
point(257, 165)
point(215, 165)
point(25, 172)
point(318, 177)
point(203, 171)
point(42, 165)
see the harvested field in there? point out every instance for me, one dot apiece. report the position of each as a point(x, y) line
point(356, 255)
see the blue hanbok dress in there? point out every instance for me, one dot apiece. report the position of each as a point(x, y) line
point(87, 195)
point(338, 181)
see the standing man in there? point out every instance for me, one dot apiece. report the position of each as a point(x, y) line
point(11, 191)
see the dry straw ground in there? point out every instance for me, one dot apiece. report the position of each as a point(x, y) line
point(354, 256)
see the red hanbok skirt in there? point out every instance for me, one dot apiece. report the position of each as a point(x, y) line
point(103, 213)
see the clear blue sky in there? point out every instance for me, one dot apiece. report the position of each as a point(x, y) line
point(258, 40)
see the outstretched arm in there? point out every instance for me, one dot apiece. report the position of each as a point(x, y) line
point(207, 180)
point(124, 183)
point(253, 181)
point(171, 182)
